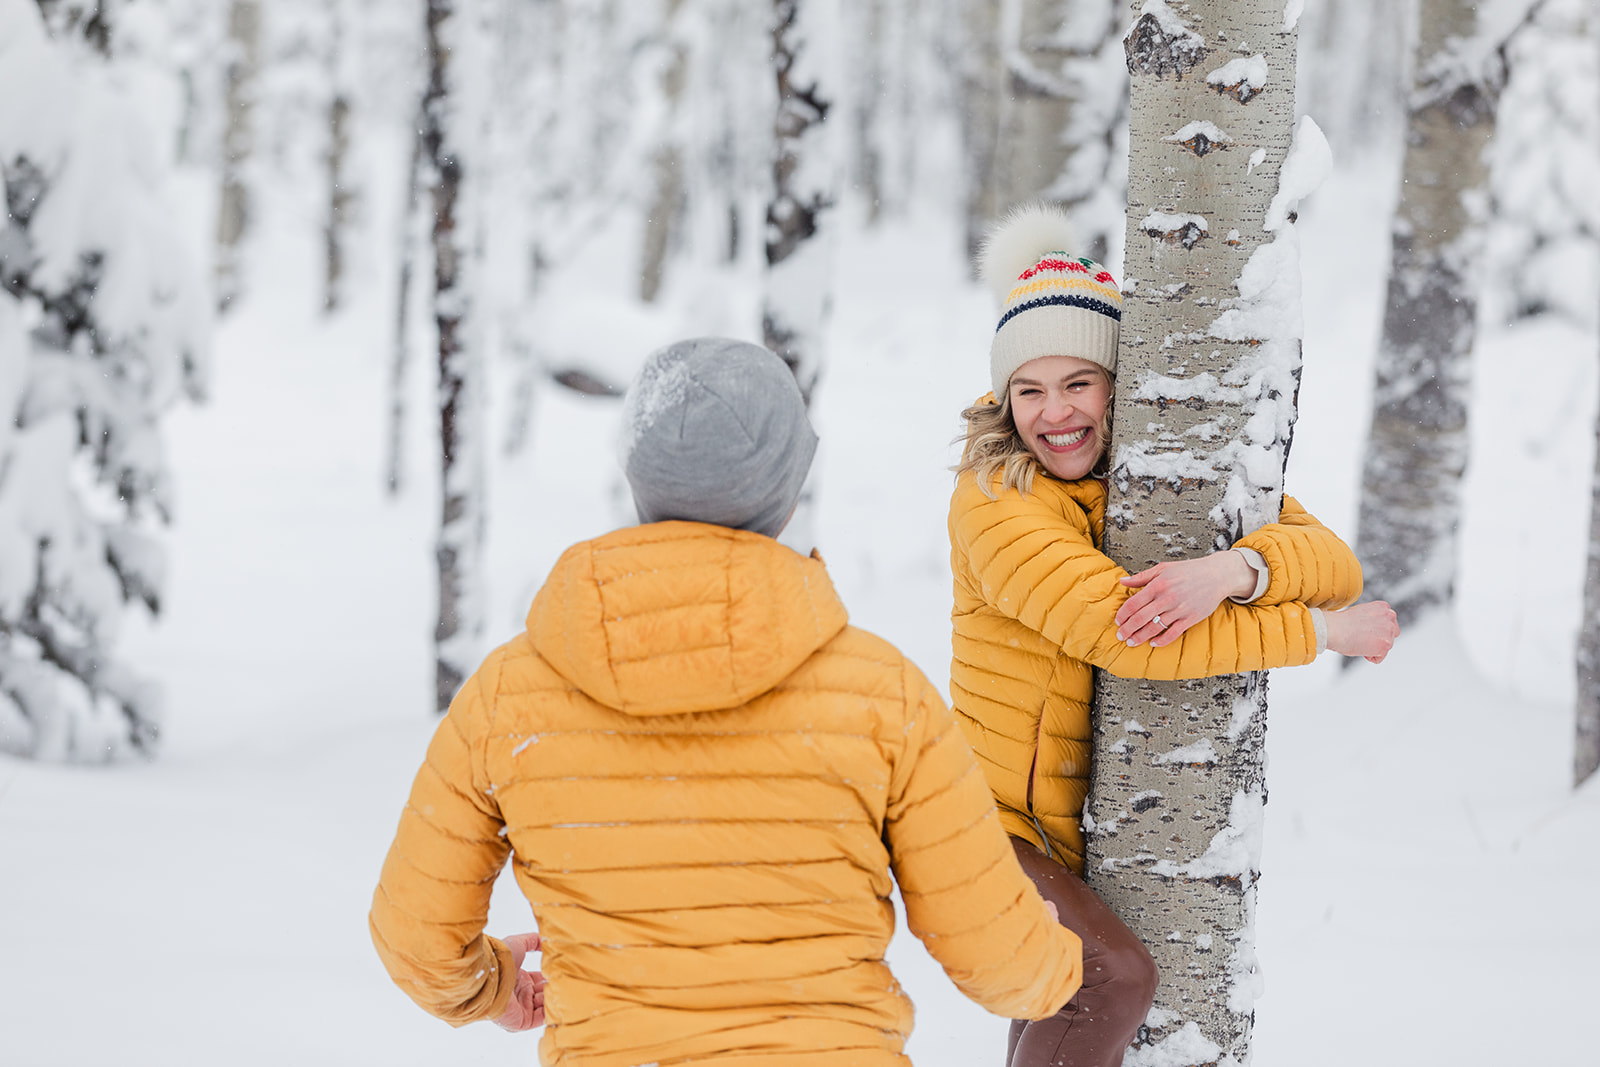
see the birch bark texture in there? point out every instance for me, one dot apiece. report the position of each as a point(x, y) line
point(452, 106)
point(1208, 373)
point(1417, 444)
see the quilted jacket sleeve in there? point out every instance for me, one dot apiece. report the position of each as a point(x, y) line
point(1043, 570)
point(966, 898)
point(1306, 561)
point(433, 897)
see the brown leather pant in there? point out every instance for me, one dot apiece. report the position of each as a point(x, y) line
point(1119, 979)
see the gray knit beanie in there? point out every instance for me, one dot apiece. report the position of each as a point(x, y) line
point(714, 430)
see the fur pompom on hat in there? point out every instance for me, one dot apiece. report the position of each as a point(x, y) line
point(1053, 303)
point(715, 430)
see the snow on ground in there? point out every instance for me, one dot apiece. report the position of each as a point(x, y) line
point(1428, 885)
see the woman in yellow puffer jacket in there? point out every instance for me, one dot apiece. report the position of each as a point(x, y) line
point(1038, 605)
point(707, 784)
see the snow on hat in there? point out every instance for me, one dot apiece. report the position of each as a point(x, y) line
point(715, 430)
point(1053, 303)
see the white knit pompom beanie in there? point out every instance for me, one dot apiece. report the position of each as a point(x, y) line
point(1054, 303)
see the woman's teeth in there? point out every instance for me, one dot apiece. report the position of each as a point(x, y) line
point(1062, 440)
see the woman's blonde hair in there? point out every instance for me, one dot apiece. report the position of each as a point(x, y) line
point(994, 445)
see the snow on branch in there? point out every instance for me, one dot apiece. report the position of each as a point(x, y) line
point(1468, 73)
point(103, 323)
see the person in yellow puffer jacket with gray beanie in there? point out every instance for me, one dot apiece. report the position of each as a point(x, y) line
point(1038, 605)
point(708, 784)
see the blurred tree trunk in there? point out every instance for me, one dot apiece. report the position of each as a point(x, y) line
point(982, 86)
point(799, 245)
point(400, 355)
point(449, 121)
point(339, 129)
point(1208, 373)
point(1586, 741)
point(1353, 72)
point(666, 202)
point(1062, 110)
point(238, 141)
point(795, 308)
point(1045, 110)
point(1417, 445)
point(1586, 745)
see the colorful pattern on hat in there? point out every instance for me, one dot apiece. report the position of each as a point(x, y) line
point(1061, 305)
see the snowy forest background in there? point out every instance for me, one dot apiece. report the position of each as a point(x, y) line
point(223, 288)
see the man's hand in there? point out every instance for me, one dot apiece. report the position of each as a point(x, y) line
point(1175, 595)
point(1368, 630)
point(526, 1010)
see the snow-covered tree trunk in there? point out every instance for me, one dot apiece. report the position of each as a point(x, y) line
point(1417, 445)
point(238, 141)
point(103, 325)
point(798, 292)
point(1207, 377)
point(1064, 112)
point(804, 188)
point(452, 114)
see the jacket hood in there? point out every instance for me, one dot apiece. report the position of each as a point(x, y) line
point(675, 617)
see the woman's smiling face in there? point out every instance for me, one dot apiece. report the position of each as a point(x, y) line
point(1060, 404)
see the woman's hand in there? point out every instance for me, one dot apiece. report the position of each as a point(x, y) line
point(1174, 596)
point(526, 1010)
point(1366, 630)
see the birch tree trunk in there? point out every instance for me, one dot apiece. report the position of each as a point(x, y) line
point(1586, 740)
point(1207, 377)
point(982, 84)
point(1061, 108)
point(666, 203)
point(799, 244)
point(1586, 733)
point(339, 197)
point(233, 212)
point(795, 308)
point(400, 355)
point(1417, 444)
point(449, 120)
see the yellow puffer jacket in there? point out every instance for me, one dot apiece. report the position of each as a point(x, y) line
point(1035, 609)
point(703, 777)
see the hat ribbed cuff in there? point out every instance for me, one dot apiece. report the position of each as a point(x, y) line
point(1051, 330)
